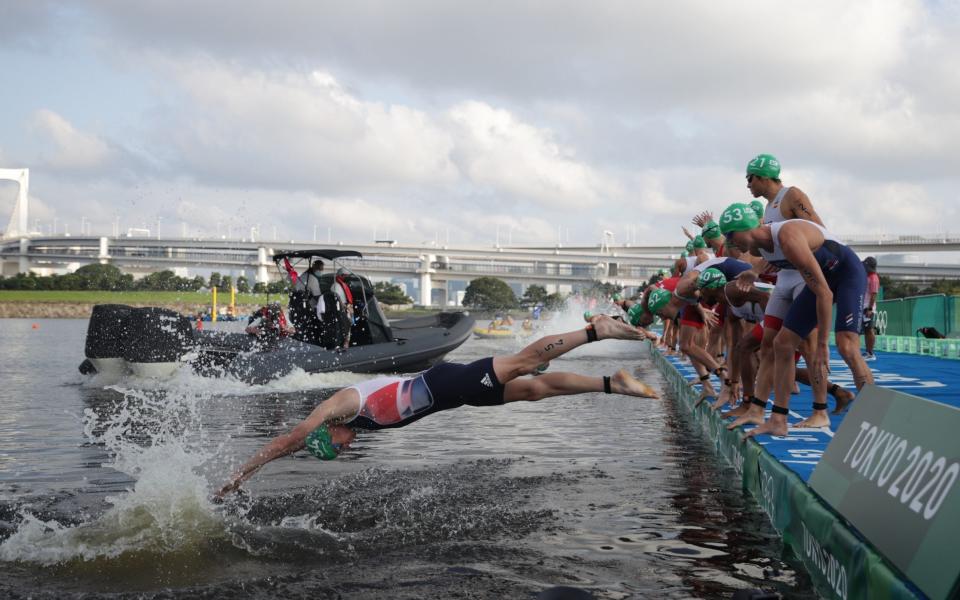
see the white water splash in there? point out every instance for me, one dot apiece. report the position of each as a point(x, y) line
point(158, 440)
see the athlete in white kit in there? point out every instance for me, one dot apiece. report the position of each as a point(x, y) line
point(832, 274)
point(388, 402)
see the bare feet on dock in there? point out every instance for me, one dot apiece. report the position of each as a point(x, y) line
point(843, 398)
point(753, 416)
point(625, 383)
point(769, 427)
point(608, 329)
point(818, 419)
point(739, 410)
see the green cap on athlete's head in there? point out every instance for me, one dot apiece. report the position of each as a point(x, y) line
point(738, 217)
point(764, 165)
point(758, 208)
point(586, 315)
point(320, 444)
point(689, 246)
point(616, 297)
point(684, 254)
point(711, 230)
point(711, 279)
point(633, 315)
point(699, 242)
point(665, 272)
point(658, 299)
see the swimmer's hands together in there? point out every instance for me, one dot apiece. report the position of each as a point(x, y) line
point(745, 281)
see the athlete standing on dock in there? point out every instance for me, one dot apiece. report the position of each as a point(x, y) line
point(832, 274)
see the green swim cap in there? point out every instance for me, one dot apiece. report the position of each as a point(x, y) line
point(658, 299)
point(665, 271)
point(320, 444)
point(616, 297)
point(689, 246)
point(764, 165)
point(699, 242)
point(711, 230)
point(684, 254)
point(758, 208)
point(633, 315)
point(738, 217)
point(711, 279)
point(586, 315)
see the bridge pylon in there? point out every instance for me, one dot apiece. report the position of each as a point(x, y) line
point(17, 226)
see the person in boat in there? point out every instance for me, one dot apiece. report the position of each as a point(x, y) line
point(269, 323)
point(318, 312)
point(391, 402)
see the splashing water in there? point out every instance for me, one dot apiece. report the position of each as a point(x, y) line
point(156, 438)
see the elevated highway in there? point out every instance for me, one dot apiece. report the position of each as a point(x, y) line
point(433, 265)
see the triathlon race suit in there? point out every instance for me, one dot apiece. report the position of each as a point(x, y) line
point(845, 276)
point(388, 402)
point(752, 312)
point(789, 282)
point(730, 267)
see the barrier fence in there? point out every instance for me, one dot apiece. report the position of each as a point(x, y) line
point(904, 316)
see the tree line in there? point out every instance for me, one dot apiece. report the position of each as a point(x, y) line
point(109, 278)
point(491, 293)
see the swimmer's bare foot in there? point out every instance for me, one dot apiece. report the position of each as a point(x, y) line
point(740, 409)
point(608, 328)
point(722, 401)
point(625, 383)
point(843, 398)
point(775, 425)
point(753, 416)
point(796, 388)
point(818, 419)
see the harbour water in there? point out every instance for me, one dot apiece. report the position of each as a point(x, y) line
point(104, 491)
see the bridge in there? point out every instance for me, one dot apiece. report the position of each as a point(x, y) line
point(431, 266)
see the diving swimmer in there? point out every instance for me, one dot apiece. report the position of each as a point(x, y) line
point(390, 402)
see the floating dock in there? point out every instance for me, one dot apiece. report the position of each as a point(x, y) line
point(776, 471)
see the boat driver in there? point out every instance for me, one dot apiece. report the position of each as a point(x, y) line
point(390, 402)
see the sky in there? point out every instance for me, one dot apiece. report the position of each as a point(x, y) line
point(458, 122)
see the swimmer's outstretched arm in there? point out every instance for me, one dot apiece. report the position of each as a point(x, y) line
point(343, 404)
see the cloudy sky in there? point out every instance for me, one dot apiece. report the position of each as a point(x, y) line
point(434, 120)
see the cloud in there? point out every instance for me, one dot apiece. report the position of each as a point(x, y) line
point(497, 150)
point(72, 149)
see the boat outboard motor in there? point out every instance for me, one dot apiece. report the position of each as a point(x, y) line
point(158, 338)
point(106, 333)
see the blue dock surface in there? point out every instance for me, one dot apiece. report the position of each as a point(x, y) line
point(776, 470)
point(936, 379)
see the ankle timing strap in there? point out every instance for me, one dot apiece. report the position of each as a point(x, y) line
point(606, 385)
point(819, 406)
point(780, 410)
point(757, 401)
point(833, 388)
point(591, 333)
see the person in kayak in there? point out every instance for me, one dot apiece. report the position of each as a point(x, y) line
point(390, 402)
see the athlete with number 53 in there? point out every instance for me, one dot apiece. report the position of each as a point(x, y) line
point(832, 274)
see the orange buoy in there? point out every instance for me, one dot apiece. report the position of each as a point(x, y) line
point(36, 326)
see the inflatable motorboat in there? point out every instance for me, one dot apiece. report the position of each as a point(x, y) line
point(154, 342)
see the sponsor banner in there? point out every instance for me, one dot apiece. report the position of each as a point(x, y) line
point(841, 564)
point(892, 471)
